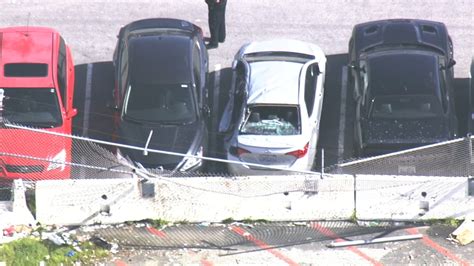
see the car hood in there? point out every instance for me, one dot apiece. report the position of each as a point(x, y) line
point(172, 138)
point(31, 143)
point(406, 131)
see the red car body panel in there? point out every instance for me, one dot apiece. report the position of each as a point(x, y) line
point(24, 153)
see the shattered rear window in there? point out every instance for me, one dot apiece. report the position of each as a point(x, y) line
point(272, 120)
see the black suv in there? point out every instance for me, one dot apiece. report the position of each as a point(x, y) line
point(401, 71)
point(161, 97)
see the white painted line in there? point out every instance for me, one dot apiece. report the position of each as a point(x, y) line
point(342, 119)
point(215, 103)
point(87, 100)
point(217, 87)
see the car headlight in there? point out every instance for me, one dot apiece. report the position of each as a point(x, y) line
point(193, 161)
point(58, 161)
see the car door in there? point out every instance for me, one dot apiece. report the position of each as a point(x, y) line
point(240, 78)
point(360, 95)
point(122, 72)
point(312, 102)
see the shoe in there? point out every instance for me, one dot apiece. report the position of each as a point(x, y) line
point(211, 45)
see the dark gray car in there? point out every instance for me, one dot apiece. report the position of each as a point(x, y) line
point(402, 76)
point(161, 68)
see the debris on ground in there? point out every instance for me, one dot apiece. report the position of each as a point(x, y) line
point(464, 234)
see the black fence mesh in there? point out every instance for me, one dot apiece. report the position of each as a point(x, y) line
point(453, 158)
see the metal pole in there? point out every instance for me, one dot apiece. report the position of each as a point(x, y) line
point(322, 163)
point(375, 240)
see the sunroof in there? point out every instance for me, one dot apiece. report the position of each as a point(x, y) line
point(26, 70)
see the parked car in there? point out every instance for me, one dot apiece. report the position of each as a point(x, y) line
point(36, 90)
point(161, 68)
point(274, 109)
point(402, 74)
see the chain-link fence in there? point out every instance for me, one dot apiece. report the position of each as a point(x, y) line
point(452, 158)
point(55, 156)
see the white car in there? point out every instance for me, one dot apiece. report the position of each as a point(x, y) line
point(273, 114)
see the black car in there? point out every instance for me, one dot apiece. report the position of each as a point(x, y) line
point(161, 97)
point(402, 74)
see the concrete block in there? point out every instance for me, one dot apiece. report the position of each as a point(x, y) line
point(412, 197)
point(195, 199)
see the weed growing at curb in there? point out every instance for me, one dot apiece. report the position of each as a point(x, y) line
point(31, 251)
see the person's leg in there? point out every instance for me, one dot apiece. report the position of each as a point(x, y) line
point(213, 26)
point(222, 23)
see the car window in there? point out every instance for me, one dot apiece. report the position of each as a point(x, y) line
point(25, 70)
point(444, 94)
point(156, 103)
point(123, 66)
point(310, 87)
point(197, 69)
point(38, 107)
point(272, 120)
point(62, 71)
point(402, 106)
point(403, 74)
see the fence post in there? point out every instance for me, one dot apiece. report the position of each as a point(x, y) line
point(470, 180)
point(355, 196)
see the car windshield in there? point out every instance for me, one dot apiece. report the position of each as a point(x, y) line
point(400, 107)
point(403, 74)
point(160, 103)
point(272, 120)
point(35, 107)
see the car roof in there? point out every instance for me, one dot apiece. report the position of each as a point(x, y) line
point(149, 64)
point(414, 66)
point(400, 31)
point(274, 82)
point(27, 45)
point(284, 45)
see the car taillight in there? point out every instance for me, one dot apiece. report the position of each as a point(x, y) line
point(236, 151)
point(299, 153)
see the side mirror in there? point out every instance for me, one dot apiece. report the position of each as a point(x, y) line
point(72, 113)
point(112, 106)
point(353, 65)
point(206, 111)
point(451, 63)
point(234, 64)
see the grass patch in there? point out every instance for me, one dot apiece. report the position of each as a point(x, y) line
point(353, 217)
point(448, 221)
point(246, 221)
point(31, 251)
point(156, 223)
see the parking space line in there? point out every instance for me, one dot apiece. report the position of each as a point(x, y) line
point(342, 119)
point(156, 232)
point(120, 263)
point(329, 233)
point(215, 102)
point(205, 262)
point(264, 246)
point(87, 100)
point(438, 248)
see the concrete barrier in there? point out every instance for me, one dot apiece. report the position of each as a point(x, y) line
point(412, 197)
point(195, 199)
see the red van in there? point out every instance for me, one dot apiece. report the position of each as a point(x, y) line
point(36, 90)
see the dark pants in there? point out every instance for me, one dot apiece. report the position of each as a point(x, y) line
point(217, 22)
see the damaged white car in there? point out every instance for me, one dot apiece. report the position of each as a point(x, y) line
point(271, 122)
